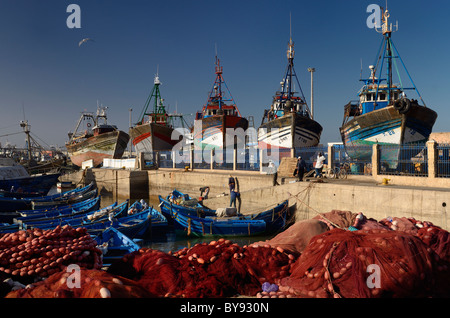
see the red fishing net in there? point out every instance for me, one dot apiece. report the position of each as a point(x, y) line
point(218, 269)
point(92, 284)
point(29, 254)
point(336, 254)
point(295, 238)
point(368, 263)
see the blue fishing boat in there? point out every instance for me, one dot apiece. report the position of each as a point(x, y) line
point(136, 225)
point(81, 207)
point(13, 204)
point(204, 221)
point(383, 114)
point(276, 218)
point(114, 245)
point(33, 183)
point(87, 206)
point(181, 202)
point(211, 226)
point(9, 228)
point(62, 202)
point(77, 219)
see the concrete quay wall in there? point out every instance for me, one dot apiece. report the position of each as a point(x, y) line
point(356, 195)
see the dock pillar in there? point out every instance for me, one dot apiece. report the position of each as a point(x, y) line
point(432, 158)
point(375, 160)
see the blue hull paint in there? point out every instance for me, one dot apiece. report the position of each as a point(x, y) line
point(413, 127)
point(275, 219)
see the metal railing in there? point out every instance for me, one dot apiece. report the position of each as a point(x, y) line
point(443, 161)
point(357, 166)
point(409, 160)
point(404, 160)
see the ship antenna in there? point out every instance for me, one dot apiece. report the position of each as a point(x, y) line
point(385, 27)
point(290, 53)
point(290, 25)
point(360, 74)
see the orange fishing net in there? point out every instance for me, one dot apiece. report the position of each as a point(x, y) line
point(92, 284)
point(218, 269)
point(368, 263)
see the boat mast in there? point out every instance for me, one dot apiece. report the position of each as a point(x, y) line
point(387, 34)
point(290, 56)
point(387, 31)
point(26, 129)
point(158, 106)
point(218, 84)
point(287, 90)
point(216, 95)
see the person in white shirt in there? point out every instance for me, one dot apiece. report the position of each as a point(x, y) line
point(274, 172)
point(319, 164)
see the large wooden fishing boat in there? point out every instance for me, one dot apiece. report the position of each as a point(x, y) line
point(384, 114)
point(289, 122)
point(155, 129)
point(97, 141)
point(215, 127)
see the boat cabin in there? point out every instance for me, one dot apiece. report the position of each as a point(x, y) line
point(373, 98)
point(281, 106)
point(102, 129)
point(215, 110)
point(160, 119)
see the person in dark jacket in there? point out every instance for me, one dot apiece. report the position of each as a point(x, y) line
point(301, 168)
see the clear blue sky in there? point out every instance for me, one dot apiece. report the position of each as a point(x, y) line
point(43, 68)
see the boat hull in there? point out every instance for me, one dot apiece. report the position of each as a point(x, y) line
point(109, 145)
point(35, 183)
point(151, 137)
point(218, 132)
point(289, 131)
point(386, 126)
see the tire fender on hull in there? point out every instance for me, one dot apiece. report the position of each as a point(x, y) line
point(402, 105)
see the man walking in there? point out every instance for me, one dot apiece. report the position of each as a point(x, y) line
point(319, 164)
point(301, 168)
point(274, 172)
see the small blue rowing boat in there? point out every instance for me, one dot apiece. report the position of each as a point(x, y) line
point(114, 245)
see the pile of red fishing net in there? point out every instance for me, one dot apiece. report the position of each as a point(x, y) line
point(218, 269)
point(368, 263)
point(336, 254)
point(90, 283)
point(29, 254)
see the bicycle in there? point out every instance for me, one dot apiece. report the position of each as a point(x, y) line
point(339, 172)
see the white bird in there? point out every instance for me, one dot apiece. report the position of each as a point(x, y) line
point(84, 41)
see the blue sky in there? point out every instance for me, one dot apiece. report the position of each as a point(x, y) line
point(44, 72)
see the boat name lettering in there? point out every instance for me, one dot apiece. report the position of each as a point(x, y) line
point(389, 133)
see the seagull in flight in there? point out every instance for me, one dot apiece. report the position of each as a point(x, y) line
point(84, 41)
